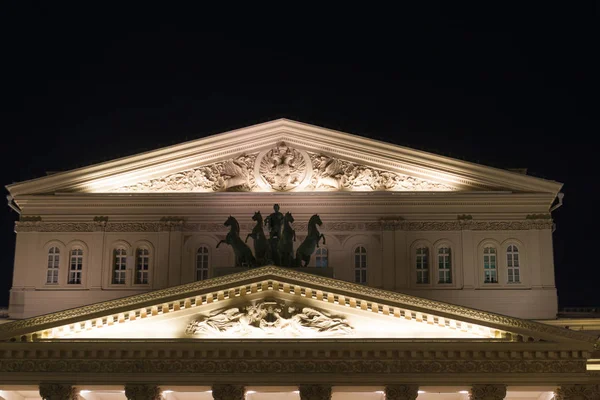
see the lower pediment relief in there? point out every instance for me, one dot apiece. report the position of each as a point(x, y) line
point(283, 169)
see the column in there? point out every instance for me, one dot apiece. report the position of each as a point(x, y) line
point(58, 391)
point(315, 392)
point(488, 392)
point(578, 392)
point(142, 392)
point(228, 392)
point(401, 392)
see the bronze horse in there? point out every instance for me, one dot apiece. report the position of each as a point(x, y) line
point(286, 244)
point(243, 254)
point(262, 250)
point(311, 242)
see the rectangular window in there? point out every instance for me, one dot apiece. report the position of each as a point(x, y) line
point(444, 265)
point(119, 266)
point(142, 265)
point(422, 265)
point(75, 267)
point(53, 264)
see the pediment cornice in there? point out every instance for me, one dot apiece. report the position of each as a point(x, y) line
point(297, 283)
point(421, 169)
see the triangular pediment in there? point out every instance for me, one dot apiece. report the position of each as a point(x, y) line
point(277, 303)
point(284, 155)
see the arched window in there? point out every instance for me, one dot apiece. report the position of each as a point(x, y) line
point(444, 265)
point(119, 266)
point(422, 264)
point(513, 264)
point(321, 257)
point(53, 263)
point(142, 263)
point(75, 266)
point(490, 266)
point(202, 263)
point(360, 265)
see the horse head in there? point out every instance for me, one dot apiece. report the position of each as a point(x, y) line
point(257, 217)
point(315, 219)
point(288, 217)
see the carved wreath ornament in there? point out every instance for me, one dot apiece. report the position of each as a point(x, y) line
point(283, 168)
point(272, 319)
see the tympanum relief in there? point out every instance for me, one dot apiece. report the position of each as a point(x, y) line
point(284, 168)
point(270, 319)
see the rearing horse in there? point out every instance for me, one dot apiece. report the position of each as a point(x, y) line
point(261, 246)
point(309, 244)
point(243, 255)
point(286, 244)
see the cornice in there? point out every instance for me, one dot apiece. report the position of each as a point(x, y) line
point(299, 226)
point(219, 147)
point(269, 278)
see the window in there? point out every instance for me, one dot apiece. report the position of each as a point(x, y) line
point(53, 263)
point(444, 265)
point(119, 266)
point(202, 263)
point(360, 265)
point(75, 267)
point(321, 257)
point(490, 269)
point(142, 262)
point(512, 263)
point(422, 261)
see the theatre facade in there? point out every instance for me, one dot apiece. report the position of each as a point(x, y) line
point(288, 261)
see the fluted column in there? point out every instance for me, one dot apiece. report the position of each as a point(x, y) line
point(488, 392)
point(578, 392)
point(401, 392)
point(228, 392)
point(58, 391)
point(142, 392)
point(315, 392)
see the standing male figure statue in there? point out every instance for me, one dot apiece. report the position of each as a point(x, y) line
point(275, 222)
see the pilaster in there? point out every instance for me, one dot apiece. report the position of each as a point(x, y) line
point(578, 392)
point(488, 392)
point(58, 391)
point(142, 392)
point(228, 392)
point(315, 392)
point(401, 392)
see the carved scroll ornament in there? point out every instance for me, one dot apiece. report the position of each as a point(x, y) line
point(270, 319)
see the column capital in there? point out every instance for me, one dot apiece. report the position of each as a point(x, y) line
point(578, 392)
point(58, 391)
point(228, 392)
point(143, 392)
point(315, 392)
point(401, 392)
point(488, 392)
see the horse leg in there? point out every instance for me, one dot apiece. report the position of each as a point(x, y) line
point(322, 236)
point(249, 235)
point(222, 241)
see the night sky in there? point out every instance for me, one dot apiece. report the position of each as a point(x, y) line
point(510, 85)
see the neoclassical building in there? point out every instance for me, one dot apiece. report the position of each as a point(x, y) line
point(288, 261)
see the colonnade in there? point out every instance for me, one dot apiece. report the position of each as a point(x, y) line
point(57, 391)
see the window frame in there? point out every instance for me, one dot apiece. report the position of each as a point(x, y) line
point(427, 269)
point(362, 269)
point(204, 269)
point(450, 263)
point(78, 271)
point(320, 256)
point(122, 271)
point(148, 265)
point(519, 267)
point(56, 261)
point(490, 257)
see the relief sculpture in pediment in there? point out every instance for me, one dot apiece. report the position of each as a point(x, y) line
point(270, 319)
point(283, 168)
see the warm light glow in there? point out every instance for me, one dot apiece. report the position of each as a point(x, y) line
point(167, 391)
point(250, 391)
point(463, 392)
point(420, 391)
point(296, 391)
point(85, 391)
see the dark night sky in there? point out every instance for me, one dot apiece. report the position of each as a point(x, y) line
point(504, 85)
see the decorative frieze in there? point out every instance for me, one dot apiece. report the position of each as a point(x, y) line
point(299, 226)
point(578, 392)
point(228, 392)
point(58, 391)
point(401, 392)
point(488, 392)
point(315, 392)
point(142, 392)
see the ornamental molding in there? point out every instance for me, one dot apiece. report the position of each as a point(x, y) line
point(319, 366)
point(56, 391)
point(401, 392)
point(143, 392)
point(228, 392)
point(270, 277)
point(284, 168)
point(315, 392)
point(487, 392)
point(578, 392)
point(299, 226)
